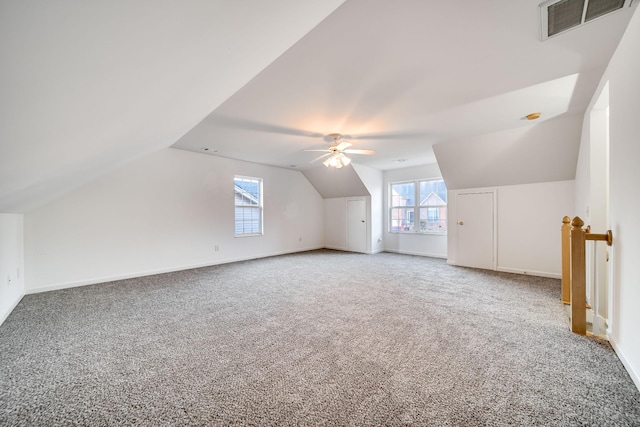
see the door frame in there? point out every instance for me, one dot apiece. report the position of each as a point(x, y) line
point(367, 219)
point(452, 238)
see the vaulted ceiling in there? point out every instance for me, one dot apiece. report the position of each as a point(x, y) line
point(88, 86)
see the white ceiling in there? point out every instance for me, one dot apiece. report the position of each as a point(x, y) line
point(88, 86)
point(398, 77)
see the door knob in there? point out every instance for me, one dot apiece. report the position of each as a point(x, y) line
point(362, 220)
point(461, 223)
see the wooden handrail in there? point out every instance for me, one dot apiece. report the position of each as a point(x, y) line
point(574, 280)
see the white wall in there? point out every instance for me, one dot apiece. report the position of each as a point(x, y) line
point(335, 222)
point(545, 151)
point(334, 183)
point(373, 179)
point(624, 102)
point(11, 263)
point(528, 221)
point(87, 86)
point(164, 212)
point(433, 245)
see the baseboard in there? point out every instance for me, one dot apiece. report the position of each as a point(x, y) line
point(4, 316)
point(600, 325)
point(115, 277)
point(530, 272)
point(425, 254)
point(335, 248)
point(635, 377)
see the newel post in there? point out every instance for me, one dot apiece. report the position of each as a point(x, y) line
point(578, 278)
point(566, 260)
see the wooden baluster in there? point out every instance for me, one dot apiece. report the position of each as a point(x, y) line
point(578, 278)
point(566, 260)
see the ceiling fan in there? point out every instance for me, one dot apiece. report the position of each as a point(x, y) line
point(336, 153)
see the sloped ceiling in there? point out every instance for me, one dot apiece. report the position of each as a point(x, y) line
point(332, 183)
point(401, 76)
point(543, 152)
point(89, 85)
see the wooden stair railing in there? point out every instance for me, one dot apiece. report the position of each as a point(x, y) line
point(574, 269)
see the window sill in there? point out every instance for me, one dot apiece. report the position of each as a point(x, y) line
point(420, 233)
point(249, 235)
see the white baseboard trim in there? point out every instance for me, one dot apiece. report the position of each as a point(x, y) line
point(335, 248)
point(519, 271)
point(4, 316)
point(635, 377)
point(115, 277)
point(530, 272)
point(425, 254)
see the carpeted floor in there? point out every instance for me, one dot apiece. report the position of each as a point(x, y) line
point(316, 338)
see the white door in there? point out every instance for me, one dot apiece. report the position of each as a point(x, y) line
point(357, 225)
point(474, 227)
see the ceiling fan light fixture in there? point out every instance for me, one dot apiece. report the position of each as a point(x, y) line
point(336, 153)
point(331, 162)
point(337, 160)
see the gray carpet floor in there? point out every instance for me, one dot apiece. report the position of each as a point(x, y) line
point(315, 338)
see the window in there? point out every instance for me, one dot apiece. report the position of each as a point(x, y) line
point(248, 203)
point(418, 206)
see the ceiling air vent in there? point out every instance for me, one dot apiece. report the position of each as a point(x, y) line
point(558, 16)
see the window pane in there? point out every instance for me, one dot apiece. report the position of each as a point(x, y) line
point(433, 219)
point(433, 193)
point(424, 212)
point(403, 194)
point(248, 201)
point(247, 191)
point(402, 219)
point(247, 220)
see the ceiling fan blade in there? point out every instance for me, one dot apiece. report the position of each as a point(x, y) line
point(356, 151)
point(254, 125)
point(320, 157)
point(385, 136)
point(343, 145)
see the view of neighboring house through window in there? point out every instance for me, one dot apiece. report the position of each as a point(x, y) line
point(418, 206)
point(248, 202)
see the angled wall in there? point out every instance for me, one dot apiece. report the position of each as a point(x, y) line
point(88, 86)
point(543, 152)
point(333, 183)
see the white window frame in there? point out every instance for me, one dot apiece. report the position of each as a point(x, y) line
point(259, 207)
point(413, 210)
